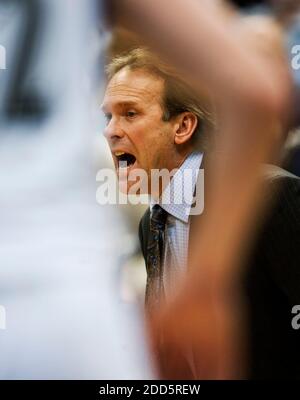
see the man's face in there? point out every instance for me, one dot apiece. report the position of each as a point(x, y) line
point(135, 130)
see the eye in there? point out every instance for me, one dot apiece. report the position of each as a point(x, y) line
point(131, 114)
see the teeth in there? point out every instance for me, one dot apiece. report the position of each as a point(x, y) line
point(119, 153)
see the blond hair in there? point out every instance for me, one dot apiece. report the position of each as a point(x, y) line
point(178, 96)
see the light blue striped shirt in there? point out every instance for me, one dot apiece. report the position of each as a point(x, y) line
point(176, 200)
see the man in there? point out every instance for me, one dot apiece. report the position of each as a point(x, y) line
point(150, 128)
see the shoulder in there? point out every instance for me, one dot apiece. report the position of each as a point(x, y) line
point(273, 171)
point(282, 187)
point(273, 174)
point(278, 240)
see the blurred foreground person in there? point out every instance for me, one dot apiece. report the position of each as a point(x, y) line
point(59, 252)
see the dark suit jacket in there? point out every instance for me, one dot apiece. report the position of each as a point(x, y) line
point(271, 282)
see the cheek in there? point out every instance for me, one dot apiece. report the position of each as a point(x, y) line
point(152, 141)
point(144, 137)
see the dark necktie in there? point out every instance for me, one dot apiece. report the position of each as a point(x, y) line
point(154, 287)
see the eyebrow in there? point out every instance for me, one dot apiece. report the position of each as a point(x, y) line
point(120, 104)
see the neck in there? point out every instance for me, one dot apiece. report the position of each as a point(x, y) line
point(159, 183)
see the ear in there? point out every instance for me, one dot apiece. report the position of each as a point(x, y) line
point(185, 126)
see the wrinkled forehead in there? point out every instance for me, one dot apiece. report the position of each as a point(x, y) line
point(134, 86)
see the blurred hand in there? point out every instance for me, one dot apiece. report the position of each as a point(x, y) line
point(198, 335)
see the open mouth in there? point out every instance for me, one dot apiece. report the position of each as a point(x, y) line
point(124, 160)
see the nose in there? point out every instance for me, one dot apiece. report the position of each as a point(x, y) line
point(113, 130)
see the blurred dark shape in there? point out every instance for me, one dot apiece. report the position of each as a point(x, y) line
point(283, 9)
point(24, 100)
point(248, 3)
point(292, 160)
point(27, 106)
point(295, 111)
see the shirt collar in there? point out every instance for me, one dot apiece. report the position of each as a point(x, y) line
point(177, 197)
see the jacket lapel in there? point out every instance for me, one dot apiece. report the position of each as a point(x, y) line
point(145, 231)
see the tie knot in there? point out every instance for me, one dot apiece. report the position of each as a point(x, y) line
point(158, 217)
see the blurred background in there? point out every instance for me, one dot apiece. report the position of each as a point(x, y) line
point(68, 312)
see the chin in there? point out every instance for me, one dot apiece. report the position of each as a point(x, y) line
point(135, 188)
point(125, 186)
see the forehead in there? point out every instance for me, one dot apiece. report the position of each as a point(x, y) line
point(133, 86)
